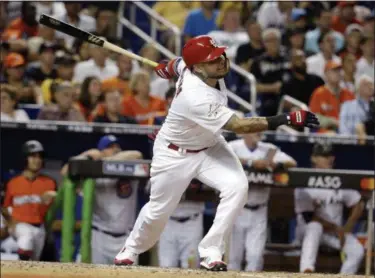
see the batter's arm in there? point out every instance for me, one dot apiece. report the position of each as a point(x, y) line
point(253, 124)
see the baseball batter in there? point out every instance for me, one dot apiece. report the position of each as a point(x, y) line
point(249, 233)
point(320, 219)
point(115, 203)
point(29, 196)
point(190, 145)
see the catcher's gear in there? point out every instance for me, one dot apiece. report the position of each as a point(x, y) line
point(201, 49)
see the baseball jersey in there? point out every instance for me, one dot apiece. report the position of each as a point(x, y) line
point(198, 112)
point(327, 203)
point(24, 196)
point(258, 195)
point(115, 204)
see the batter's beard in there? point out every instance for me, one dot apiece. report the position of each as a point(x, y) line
point(220, 76)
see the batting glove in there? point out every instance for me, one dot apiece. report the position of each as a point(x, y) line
point(162, 70)
point(303, 118)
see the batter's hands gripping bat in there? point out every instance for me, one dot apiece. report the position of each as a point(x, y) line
point(90, 38)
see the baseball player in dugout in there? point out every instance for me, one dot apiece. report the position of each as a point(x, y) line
point(249, 232)
point(320, 218)
point(115, 202)
point(190, 145)
point(27, 199)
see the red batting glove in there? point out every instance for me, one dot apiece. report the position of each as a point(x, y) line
point(162, 70)
point(303, 118)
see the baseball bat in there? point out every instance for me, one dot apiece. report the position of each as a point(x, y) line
point(90, 38)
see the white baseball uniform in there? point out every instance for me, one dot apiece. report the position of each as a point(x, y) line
point(114, 212)
point(327, 204)
point(178, 244)
point(249, 232)
point(194, 122)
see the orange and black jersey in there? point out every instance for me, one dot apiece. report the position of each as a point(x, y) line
point(24, 196)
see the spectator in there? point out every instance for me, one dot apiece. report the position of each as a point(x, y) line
point(201, 21)
point(65, 64)
point(52, 8)
point(369, 25)
point(324, 24)
point(357, 111)
point(326, 100)
point(269, 70)
point(75, 18)
point(231, 33)
point(104, 24)
point(99, 65)
point(299, 19)
point(23, 27)
point(29, 194)
point(62, 109)
point(295, 39)
point(320, 218)
point(345, 17)
point(120, 82)
point(254, 48)
point(159, 118)
point(366, 63)
point(353, 37)
point(175, 11)
point(301, 84)
point(110, 111)
point(317, 62)
point(14, 65)
point(45, 69)
point(275, 14)
point(90, 96)
point(150, 52)
point(141, 105)
point(8, 103)
point(349, 68)
point(366, 128)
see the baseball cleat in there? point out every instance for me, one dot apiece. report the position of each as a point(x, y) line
point(213, 264)
point(126, 257)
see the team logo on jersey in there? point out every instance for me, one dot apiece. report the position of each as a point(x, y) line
point(124, 188)
point(214, 109)
point(328, 182)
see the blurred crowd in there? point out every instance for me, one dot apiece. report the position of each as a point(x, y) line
point(319, 53)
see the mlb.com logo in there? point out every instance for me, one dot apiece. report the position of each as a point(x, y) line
point(367, 183)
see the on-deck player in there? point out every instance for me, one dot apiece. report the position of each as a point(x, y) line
point(320, 218)
point(190, 145)
point(249, 232)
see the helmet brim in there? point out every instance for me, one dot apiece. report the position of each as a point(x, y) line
point(216, 53)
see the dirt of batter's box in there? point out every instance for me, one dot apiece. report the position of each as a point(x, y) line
point(21, 269)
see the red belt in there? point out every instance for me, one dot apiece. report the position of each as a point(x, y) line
point(177, 148)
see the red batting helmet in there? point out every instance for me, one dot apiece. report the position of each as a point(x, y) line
point(201, 49)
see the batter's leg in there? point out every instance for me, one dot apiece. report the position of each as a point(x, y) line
point(168, 248)
point(256, 240)
point(310, 246)
point(237, 246)
point(171, 173)
point(222, 171)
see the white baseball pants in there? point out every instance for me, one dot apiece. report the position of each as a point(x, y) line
point(103, 247)
point(248, 237)
point(30, 239)
point(171, 173)
point(178, 244)
point(313, 236)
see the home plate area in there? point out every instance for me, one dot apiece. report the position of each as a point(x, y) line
point(18, 269)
